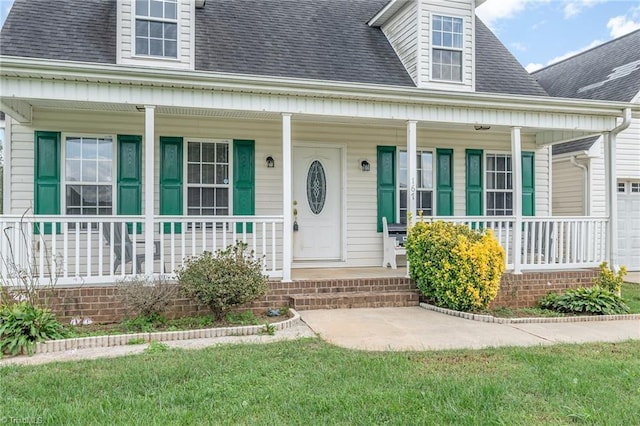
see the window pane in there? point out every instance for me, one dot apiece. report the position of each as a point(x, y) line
point(193, 197)
point(104, 195)
point(170, 49)
point(142, 7)
point(222, 197)
point(457, 25)
point(73, 211)
point(155, 29)
point(437, 39)
point(89, 196)
point(89, 148)
point(208, 197)
point(447, 40)
point(427, 170)
point(222, 153)
point(209, 152)
point(457, 41)
point(73, 148)
point(171, 31)
point(194, 151)
point(89, 171)
point(104, 149)
point(142, 28)
point(156, 9)
point(447, 25)
point(193, 173)
point(509, 202)
point(501, 181)
point(104, 171)
point(222, 175)
point(456, 73)
point(208, 212)
point(437, 72)
point(193, 212)
point(72, 170)
point(208, 173)
point(73, 196)
point(142, 46)
point(170, 10)
point(437, 23)
point(155, 47)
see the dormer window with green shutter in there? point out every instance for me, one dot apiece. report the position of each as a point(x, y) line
point(156, 32)
point(447, 43)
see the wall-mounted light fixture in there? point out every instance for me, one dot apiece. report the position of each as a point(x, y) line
point(271, 163)
point(481, 127)
point(140, 108)
point(365, 166)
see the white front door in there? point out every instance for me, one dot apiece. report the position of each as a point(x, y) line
point(629, 226)
point(317, 195)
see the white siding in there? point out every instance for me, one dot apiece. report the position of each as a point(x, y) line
point(186, 34)
point(628, 152)
point(455, 8)
point(402, 32)
point(568, 191)
point(364, 247)
point(597, 181)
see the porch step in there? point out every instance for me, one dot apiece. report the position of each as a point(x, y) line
point(347, 300)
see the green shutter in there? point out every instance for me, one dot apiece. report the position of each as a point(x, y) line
point(47, 176)
point(171, 192)
point(386, 184)
point(130, 177)
point(444, 179)
point(474, 171)
point(528, 184)
point(244, 187)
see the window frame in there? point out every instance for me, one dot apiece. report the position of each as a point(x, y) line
point(63, 171)
point(441, 47)
point(419, 150)
point(147, 18)
point(185, 174)
point(485, 183)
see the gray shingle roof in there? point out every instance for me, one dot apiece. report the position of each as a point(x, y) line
point(588, 75)
point(575, 146)
point(315, 39)
point(497, 70)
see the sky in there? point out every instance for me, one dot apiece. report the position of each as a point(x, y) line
point(541, 32)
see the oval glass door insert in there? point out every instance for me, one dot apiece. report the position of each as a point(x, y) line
point(316, 187)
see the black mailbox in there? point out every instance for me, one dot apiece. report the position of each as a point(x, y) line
point(399, 232)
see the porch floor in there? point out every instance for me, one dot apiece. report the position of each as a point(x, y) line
point(305, 274)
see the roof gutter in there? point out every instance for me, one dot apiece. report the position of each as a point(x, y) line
point(30, 68)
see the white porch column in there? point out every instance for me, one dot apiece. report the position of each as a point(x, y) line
point(516, 167)
point(287, 199)
point(611, 193)
point(412, 136)
point(149, 161)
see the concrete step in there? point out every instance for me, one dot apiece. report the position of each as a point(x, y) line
point(380, 285)
point(346, 300)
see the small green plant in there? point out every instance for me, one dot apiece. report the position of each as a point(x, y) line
point(137, 341)
point(231, 278)
point(156, 348)
point(284, 311)
point(268, 329)
point(147, 298)
point(22, 325)
point(454, 266)
point(242, 318)
point(143, 323)
point(610, 280)
point(594, 300)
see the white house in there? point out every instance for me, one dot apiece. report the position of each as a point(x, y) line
point(295, 127)
point(609, 72)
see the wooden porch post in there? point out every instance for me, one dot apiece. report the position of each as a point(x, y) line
point(149, 161)
point(516, 167)
point(611, 197)
point(287, 206)
point(411, 170)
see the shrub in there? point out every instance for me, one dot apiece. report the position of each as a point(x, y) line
point(147, 298)
point(22, 325)
point(458, 268)
point(230, 278)
point(594, 300)
point(609, 280)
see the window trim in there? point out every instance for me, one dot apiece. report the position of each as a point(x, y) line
point(485, 189)
point(134, 19)
point(185, 171)
point(432, 46)
point(420, 149)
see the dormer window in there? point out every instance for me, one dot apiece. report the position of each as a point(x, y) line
point(157, 28)
point(446, 41)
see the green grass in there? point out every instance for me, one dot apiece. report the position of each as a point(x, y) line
point(310, 382)
point(631, 296)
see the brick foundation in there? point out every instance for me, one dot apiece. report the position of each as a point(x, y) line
point(103, 304)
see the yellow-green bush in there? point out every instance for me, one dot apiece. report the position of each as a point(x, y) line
point(610, 280)
point(454, 266)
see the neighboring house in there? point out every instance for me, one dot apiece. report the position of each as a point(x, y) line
point(295, 126)
point(609, 72)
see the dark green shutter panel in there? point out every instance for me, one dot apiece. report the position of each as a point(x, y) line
point(47, 176)
point(244, 186)
point(474, 198)
point(171, 192)
point(444, 179)
point(386, 184)
point(528, 184)
point(130, 177)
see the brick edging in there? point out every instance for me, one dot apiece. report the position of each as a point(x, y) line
point(533, 320)
point(159, 336)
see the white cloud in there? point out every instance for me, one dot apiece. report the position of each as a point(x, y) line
point(494, 10)
point(533, 67)
point(624, 24)
point(575, 7)
point(520, 47)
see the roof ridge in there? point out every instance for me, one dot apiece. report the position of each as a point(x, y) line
point(585, 51)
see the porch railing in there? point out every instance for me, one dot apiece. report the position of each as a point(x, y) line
point(105, 249)
point(546, 243)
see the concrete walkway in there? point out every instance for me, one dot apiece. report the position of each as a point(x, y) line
point(416, 328)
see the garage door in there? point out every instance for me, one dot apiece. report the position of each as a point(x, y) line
point(629, 224)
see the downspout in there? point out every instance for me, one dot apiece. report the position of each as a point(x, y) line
point(613, 197)
point(585, 186)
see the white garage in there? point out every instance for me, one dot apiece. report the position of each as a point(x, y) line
point(629, 224)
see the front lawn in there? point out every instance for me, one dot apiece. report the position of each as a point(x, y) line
point(631, 296)
point(311, 382)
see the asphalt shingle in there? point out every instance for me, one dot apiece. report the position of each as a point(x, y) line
point(575, 146)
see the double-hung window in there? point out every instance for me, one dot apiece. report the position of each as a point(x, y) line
point(423, 186)
point(499, 184)
point(88, 171)
point(156, 30)
point(208, 178)
point(446, 41)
